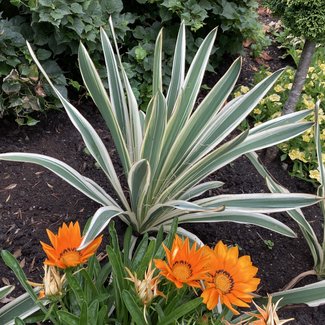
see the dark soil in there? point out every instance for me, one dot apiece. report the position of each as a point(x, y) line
point(33, 199)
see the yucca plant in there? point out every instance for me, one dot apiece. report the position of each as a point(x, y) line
point(169, 150)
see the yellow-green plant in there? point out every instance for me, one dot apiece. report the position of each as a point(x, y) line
point(301, 149)
point(167, 152)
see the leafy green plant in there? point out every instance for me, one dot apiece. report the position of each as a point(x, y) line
point(124, 287)
point(24, 92)
point(57, 26)
point(168, 152)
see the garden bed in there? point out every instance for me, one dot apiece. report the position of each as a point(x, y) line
point(33, 199)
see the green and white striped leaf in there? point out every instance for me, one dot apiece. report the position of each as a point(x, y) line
point(98, 93)
point(312, 295)
point(67, 173)
point(4, 291)
point(193, 130)
point(230, 117)
point(260, 202)
point(200, 189)
point(154, 131)
point(280, 121)
point(156, 69)
point(98, 222)
point(238, 216)
point(295, 214)
point(216, 160)
point(191, 88)
point(93, 142)
point(116, 90)
point(178, 71)
point(134, 113)
point(22, 307)
point(138, 180)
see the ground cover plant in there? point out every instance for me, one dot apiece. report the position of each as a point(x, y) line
point(241, 208)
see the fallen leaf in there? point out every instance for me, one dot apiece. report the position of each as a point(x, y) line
point(50, 186)
point(265, 56)
point(22, 263)
point(8, 198)
point(5, 281)
point(6, 300)
point(17, 253)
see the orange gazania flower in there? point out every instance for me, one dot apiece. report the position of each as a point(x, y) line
point(232, 279)
point(184, 265)
point(64, 252)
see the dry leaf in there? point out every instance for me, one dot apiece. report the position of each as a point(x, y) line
point(17, 253)
point(5, 281)
point(6, 300)
point(39, 90)
point(22, 263)
point(8, 198)
point(9, 187)
point(31, 267)
point(50, 186)
point(265, 56)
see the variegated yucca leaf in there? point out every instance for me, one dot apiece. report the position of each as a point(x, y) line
point(169, 150)
point(317, 249)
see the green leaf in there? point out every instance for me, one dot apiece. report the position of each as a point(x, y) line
point(67, 318)
point(134, 310)
point(180, 311)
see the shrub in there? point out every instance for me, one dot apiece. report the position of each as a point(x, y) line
point(58, 26)
point(23, 89)
point(304, 17)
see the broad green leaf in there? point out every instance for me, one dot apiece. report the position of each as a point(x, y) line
point(67, 318)
point(67, 173)
point(98, 222)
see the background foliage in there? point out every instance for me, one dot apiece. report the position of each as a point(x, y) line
point(303, 17)
point(55, 28)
